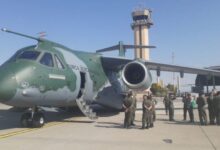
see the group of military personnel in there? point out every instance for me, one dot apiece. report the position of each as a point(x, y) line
point(190, 103)
point(213, 100)
point(149, 114)
point(214, 107)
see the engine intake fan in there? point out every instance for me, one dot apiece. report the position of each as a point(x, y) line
point(136, 76)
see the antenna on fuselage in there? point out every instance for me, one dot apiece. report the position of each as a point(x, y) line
point(20, 34)
point(42, 34)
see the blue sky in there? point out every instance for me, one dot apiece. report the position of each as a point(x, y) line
point(189, 28)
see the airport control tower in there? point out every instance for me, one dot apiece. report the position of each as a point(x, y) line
point(141, 24)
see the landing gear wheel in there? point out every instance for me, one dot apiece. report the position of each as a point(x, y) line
point(26, 120)
point(34, 118)
point(38, 120)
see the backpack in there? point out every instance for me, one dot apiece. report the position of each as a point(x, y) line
point(193, 104)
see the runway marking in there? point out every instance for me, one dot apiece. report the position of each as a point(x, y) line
point(14, 133)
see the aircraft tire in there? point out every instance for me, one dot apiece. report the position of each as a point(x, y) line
point(38, 120)
point(26, 120)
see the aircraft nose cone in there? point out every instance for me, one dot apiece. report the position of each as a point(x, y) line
point(7, 85)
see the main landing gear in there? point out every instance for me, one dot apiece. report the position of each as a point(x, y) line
point(34, 118)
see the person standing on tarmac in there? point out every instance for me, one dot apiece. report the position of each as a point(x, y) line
point(166, 104)
point(216, 102)
point(201, 102)
point(133, 109)
point(128, 107)
point(211, 107)
point(184, 100)
point(147, 117)
point(190, 107)
point(154, 103)
point(171, 108)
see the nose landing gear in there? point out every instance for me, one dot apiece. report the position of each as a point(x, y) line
point(34, 118)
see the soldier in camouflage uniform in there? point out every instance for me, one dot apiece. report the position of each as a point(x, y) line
point(201, 102)
point(216, 102)
point(128, 106)
point(147, 117)
point(166, 104)
point(189, 107)
point(184, 100)
point(171, 107)
point(211, 107)
point(134, 109)
point(154, 103)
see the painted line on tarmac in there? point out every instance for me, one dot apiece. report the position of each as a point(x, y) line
point(14, 133)
point(210, 141)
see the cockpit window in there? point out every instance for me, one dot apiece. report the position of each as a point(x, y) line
point(47, 60)
point(58, 62)
point(31, 55)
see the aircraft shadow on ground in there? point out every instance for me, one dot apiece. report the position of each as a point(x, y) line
point(109, 125)
point(114, 125)
point(178, 122)
point(10, 118)
point(106, 113)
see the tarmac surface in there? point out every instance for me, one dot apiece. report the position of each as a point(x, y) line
point(74, 131)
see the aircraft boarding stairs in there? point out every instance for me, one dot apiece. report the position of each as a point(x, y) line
point(86, 108)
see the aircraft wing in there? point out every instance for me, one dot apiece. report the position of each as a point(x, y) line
point(181, 69)
point(111, 63)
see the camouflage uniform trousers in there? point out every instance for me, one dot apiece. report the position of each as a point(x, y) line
point(128, 118)
point(147, 118)
point(166, 108)
point(217, 115)
point(171, 113)
point(211, 115)
point(202, 116)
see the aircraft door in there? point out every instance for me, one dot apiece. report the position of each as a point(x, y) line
point(82, 84)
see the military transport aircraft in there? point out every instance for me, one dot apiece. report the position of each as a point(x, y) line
point(52, 75)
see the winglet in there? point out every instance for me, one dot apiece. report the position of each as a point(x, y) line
point(20, 34)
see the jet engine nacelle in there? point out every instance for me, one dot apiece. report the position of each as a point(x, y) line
point(136, 76)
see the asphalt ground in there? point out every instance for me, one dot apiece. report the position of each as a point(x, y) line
point(73, 131)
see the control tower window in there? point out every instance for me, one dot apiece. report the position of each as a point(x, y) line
point(141, 17)
point(31, 55)
point(58, 62)
point(47, 60)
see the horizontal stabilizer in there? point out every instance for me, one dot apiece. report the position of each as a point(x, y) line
point(124, 47)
